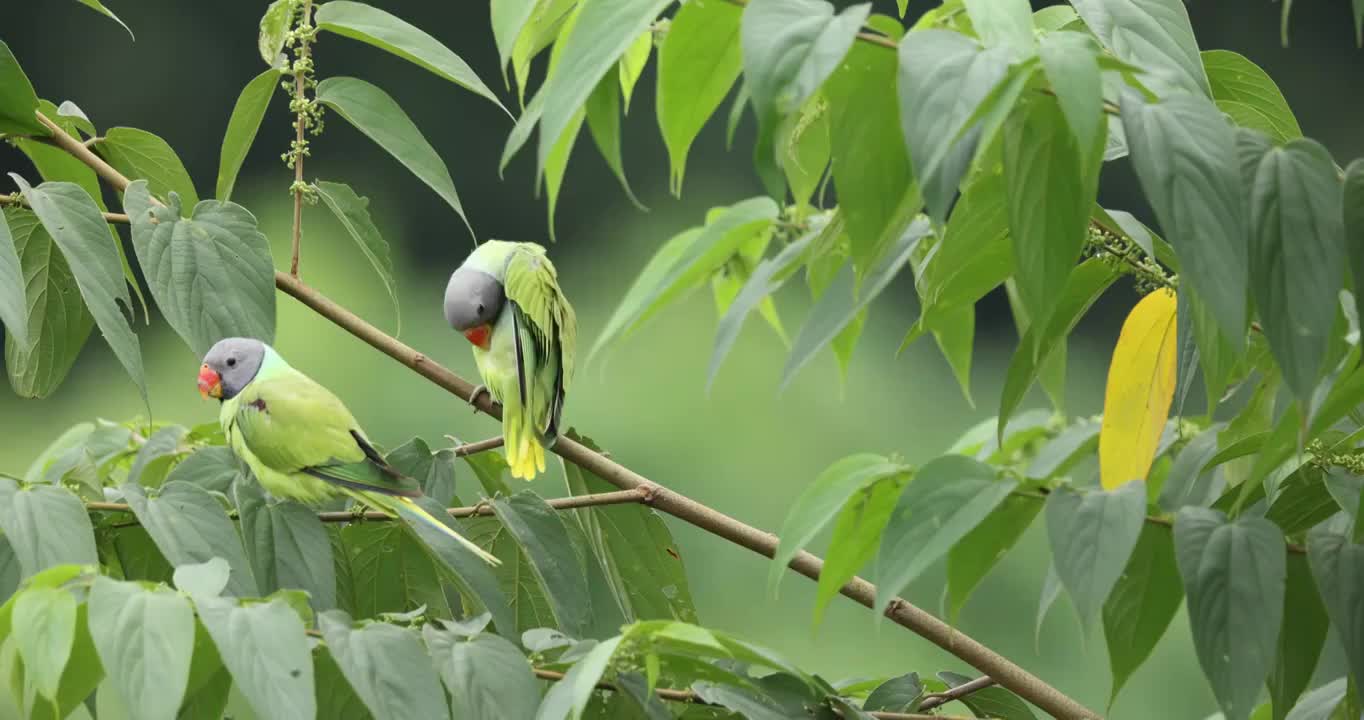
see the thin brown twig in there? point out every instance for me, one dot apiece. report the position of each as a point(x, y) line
point(933, 700)
point(1005, 672)
point(474, 448)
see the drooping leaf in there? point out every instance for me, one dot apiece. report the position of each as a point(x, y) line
point(603, 122)
point(1187, 483)
point(352, 211)
point(1070, 60)
point(1154, 35)
point(790, 47)
point(264, 648)
point(1092, 535)
point(1185, 158)
point(487, 677)
point(1141, 384)
point(1297, 257)
point(509, 18)
point(842, 302)
point(556, 165)
point(765, 280)
point(99, 7)
point(1003, 23)
point(190, 526)
point(541, 533)
point(57, 321)
point(1301, 640)
point(242, 127)
point(13, 304)
point(948, 498)
point(1352, 201)
point(287, 546)
point(943, 77)
point(44, 629)
point(379, 117)
point(274, 25)
point(76, 225)
point(802, 142)
point(211, 274)
point(46, 526)
point(631, 65)
point(857, 533)
point(1338, 567)
point(601, 33)
point(17, 99)
point(569, 697)
point(1234, 576)
point(1141, 605)
point(978, 551)
point(385, 31)
point(689, 91)
point(1235, 79)
point(386, 665)
point(974, 254)
point(145, 640)
point(141, 155)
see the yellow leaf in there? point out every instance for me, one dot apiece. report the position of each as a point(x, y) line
point(1141, 384)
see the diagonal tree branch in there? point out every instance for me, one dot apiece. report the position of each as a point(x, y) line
point(1002, 670)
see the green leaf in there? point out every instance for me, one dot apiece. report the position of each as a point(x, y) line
point(1303, 501)
point(75, 224)
point(631, 65)
point(153, 459)
point(190, 526)
point(212, 468)
point(556, 165)
point(1154, 35)
point(1092, 537)
point(790, 47)
point(842, 302)
point(1187, 482)
point(948, 498)
point(601, 33)
point(18, 102)
point(870, 166)
point(287, 546)
point(857, 533)
point(378, 116)
point(955, 332)
point(352, 211)
point(1234, 79)
point(761, 285)
point(145, 640)
point(99, 7)
point(46, 526)
point(1352, 200)
point(389, 569)
point(13, 304)
point(1061, 452)
point(1086, 283)
point(335, 697)
point(638, 552)
point(569, 697)
point(1003, 23)
point(1321, 703)
point(898, 694)
point(1234, 576)
point(685, 261)
point(44, 631)
point(1338, 566)
point(211, 274)
point(388, 32)
point(386, 665)
point(1185, 158)
point(274, 25)
point(1050, 183)
point(991, 702)
point(207, 578)
point(525, 596)
point(603, 121)
point(435, 471)
point(802, 141)
point(1297, 257)
point(487, 676)
point(470, 573)
point(57, 321)
point(944, 76)
point(816, 506)
point(265, 649)
point(242, 127)
point(1141, 605)
point(1301, 639)
point(509, 17)
point(141, 155)
point(1070, 60)
point(974, 254)
point(690, 91)
point(540, 532)
point(970, 560)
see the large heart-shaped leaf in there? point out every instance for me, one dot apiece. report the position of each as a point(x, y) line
point(386, 665)
point(1092, 536)
point(487, 676)
point(145, 640)
point(190, 526)
point(265, 649)
point(45, 525)
point(141, 155)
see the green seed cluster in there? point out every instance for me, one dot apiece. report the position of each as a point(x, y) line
point(305, 107)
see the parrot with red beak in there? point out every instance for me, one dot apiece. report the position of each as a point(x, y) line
point(505, 300)
point(299, 440)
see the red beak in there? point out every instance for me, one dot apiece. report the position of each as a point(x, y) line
point(480, 335)
point(210, 383)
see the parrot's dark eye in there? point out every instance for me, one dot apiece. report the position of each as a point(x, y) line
point(232, 362)
point(480, 309)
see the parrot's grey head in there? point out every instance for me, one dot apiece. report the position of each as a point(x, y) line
point(473, 299)
point(229, 365)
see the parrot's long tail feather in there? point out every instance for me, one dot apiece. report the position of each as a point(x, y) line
point(525, 453)
point(413, 511)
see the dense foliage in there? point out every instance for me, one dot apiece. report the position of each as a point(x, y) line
point(147, 575)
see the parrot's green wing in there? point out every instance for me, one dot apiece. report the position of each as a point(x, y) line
point(533, 285)
point(293, 425)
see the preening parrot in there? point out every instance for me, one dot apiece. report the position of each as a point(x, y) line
point(299, 439)
point(506, 301)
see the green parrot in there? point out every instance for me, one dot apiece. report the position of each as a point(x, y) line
point(299, 439)
point(505, 299)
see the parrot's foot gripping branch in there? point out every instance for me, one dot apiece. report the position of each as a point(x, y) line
point(473, 396)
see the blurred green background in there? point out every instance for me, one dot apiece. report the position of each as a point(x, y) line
point(743, 448)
